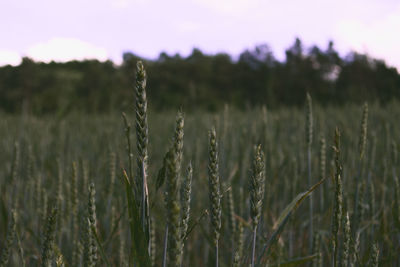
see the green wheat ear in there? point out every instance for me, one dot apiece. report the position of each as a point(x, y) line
point(215, 196)
point(141, 120)
point(214, 190)
point(317, 262)
point(355, 250)
point(173, 210)
point(90, 248)
point(15, 163)
point(309, 120)
point(396, 202)
point(322, 169)
point(363, 131)
point(374, 258)
point(239, 238)
point(231, 213)
point(113, 167)
point(11, 233)
point(152, 242)
point(48, 243)
point(186, 190)
point(346, 241)
point(257, 181)
point(173, 167)
point(92, 221)
point(309, 137)
point(142, 144)
point(337, 213)
point(322, 156)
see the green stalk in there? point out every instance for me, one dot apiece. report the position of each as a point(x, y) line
point(309, 137)
point(164, 259)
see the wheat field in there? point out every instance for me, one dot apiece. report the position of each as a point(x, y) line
point(314, 186)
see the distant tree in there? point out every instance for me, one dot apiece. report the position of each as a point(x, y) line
point(200, 81)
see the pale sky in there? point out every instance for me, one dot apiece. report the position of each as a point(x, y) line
point(77, 29)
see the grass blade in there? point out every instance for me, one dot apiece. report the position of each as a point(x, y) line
point(283, 219)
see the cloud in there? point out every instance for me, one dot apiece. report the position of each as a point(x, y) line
point(8, 57)
point(378, 38)
point(65, 49)
point(126, 3)
point(228, 7)
point(188, 26)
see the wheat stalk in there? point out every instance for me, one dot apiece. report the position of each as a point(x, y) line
point(48, 243)
point(257, 181)
point(142, 144)
point(214, 190)
point(11, 233)
point(337, 213)
point(309, 137)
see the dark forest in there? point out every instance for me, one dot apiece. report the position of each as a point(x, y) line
point(200, 81)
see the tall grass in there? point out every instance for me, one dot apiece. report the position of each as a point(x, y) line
point(140, 192)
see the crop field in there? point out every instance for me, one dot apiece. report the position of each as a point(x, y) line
point(311, 186)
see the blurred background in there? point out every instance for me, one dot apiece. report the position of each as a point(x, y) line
point(58, 57)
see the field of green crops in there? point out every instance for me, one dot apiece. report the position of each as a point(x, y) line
point(270, 188)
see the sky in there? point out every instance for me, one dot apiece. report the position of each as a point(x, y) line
point(62, 30)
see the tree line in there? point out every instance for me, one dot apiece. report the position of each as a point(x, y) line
point(200, 81)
